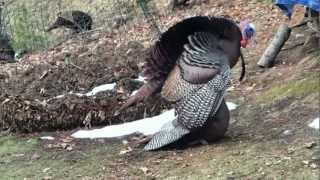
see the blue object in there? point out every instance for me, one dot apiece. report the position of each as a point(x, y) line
point(287, 5)
point(249, 31)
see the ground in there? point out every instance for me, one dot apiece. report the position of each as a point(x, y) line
point(268, 138)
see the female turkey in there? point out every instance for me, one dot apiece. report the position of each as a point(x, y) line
point(6, 51)
point(190, 65)
point(75, 20)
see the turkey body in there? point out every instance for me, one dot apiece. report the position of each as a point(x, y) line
point(190, 65)
point(76, 20)
point(6, 51)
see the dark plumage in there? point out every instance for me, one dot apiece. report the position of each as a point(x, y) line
point(166, 51)
point(76, 20)
point(6, 50)
point(179, 3)
point(190, 64)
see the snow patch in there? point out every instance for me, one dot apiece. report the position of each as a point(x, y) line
point(145, 126)
point(47, 138)
point(231, 88)
point(287, 132)
point(94, 91)
point(141, 79)
point(133, 93)
point(60, 96)
point(231, 106)
point(101, 88)
point(315, 123)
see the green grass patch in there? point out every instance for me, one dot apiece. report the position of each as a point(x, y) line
point(16, 160)
point(12, 145)
point(294, 88)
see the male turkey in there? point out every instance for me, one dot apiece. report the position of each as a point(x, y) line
point(76, 20)
point(190, 64)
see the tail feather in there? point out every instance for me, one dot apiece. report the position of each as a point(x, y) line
point(170, 46)
point(168, 49)
point(169, 133)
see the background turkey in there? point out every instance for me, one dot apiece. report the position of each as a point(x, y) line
point(76, 20)
point(6, 51)
point(189, 58)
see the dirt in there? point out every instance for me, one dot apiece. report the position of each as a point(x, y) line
point(268, 136)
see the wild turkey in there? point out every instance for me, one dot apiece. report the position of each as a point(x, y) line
point(76, 20)
point(190, 64)
point(6, 51)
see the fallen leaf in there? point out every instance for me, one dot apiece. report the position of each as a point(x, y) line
point(125, 151)
point(314, 166)
point(69, 148)
point(35, 157)
point(310, 145)
point(45, 170)
point(145, 170)
point(67, 139)
point(47, 178)
point(18, 155)
point(305, 162)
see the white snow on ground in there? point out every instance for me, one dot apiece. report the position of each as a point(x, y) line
point(101, 88)
point(231, 88)
point(134, 92)
point(94, 91)
point(315, 123)
point(142, 79)
point(60, 96)
point(47, 138)
point(231, 106)
point(145, 126)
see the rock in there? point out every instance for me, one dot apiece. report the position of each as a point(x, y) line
point(35, 157)
point(316, 155)
point(310, 145)
point(314, 166)
point(305, 162)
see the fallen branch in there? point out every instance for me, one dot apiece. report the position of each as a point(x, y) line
point(268, 57)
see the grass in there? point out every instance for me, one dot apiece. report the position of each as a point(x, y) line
point(17, 163)
point(11, 145)
point(297, 88)
point(26, 20)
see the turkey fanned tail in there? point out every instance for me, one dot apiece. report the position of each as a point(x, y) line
point(202, 102)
